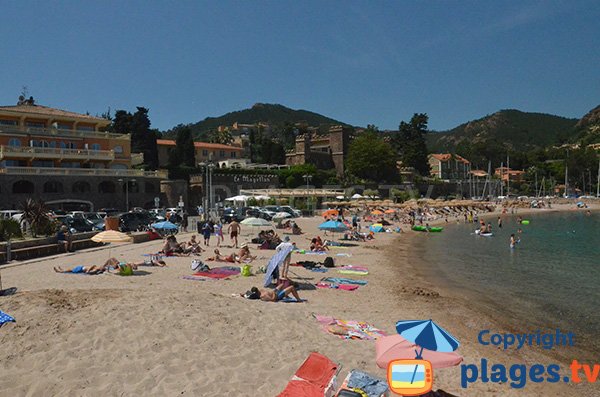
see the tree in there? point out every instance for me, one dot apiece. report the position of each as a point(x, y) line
point(223, 137)
point(143, 139)
point(184, 152)
point(35, 215)
point(411, 145)
point(369, 157)
point(9, 228)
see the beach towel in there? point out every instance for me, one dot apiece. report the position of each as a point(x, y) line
point(339, 280)
point(355, 272)
point(195, 278)
point(345, 254)
point(5, 318)
point(352, 267)
point(316, 377)
point(215, 273)
point(345, 287)
point(313, 252)
point(290, 299)
point(371, 385)
point(349, 329)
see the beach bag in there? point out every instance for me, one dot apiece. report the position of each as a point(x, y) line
point(199, 266)
point(329, 262)
point(246, 270)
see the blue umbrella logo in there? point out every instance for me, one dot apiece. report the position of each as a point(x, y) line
point(428, 335)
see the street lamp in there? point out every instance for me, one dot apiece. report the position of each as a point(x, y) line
point(127, 181)
point(209, 167)
point(308, 178)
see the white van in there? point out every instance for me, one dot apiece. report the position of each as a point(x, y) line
point(7, 214)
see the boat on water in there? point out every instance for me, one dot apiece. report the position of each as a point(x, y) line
point(433, 229)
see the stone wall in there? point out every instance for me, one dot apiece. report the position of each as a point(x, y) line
point(97, 191)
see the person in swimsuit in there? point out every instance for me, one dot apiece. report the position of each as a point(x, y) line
point(80, 269)
point(234, 230)
point(276, 294)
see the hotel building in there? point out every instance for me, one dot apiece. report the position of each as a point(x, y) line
point(69, 160)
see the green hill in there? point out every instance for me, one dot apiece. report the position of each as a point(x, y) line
point(274, 114)
point(588, 128)
point(511, 128)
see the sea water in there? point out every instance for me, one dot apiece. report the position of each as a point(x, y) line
point(550, 280)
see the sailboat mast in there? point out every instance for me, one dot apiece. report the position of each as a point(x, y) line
point(508, 175)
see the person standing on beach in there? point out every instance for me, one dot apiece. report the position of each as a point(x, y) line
point(184, 221)
point(219, 232)
point(285, 246)
point(234, 230)
point(206, 233)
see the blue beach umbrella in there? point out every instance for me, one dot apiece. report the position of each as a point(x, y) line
point(428, 335)
point(165, 225)
point(333, 226)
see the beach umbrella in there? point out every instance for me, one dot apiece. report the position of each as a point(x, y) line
point(165, 225)
point(376, 212)
point(329, 213)
point(394, 347)
point(428, 335)
point(333, 226)
point(255, 222)
point(376, 227)
point(111, 236)
point(281, 215)
point(356, 196)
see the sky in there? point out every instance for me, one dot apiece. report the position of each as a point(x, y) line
point(359, 62)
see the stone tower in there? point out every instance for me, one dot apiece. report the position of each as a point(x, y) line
point(302, 149)
point(339, 137)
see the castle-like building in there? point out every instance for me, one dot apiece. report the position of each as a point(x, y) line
point(324, 151)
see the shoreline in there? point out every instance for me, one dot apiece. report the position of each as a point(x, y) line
point(468, 305)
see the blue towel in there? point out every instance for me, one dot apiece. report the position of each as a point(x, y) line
point(339, 280)
point(318, 270)
point(291, 300)
point(5, 318)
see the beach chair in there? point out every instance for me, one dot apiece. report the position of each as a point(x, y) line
point(316, 377)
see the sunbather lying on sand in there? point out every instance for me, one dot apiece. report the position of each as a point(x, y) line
point(121, 268)
point(222, 258)
point(276, 294)
point(80, 269)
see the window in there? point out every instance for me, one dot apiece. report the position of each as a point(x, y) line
point(14, 142)
point(8, 122)
point(132, 186)
point(81, 187)
point(149, 188)
point(205, 152)
point(233, 155)
point(42, 163)
point(64, 126)
point(53, 144)
point(22, 187)
point(68, 145)
point(106, 187)
point(35, 124)
point(14, 163)
point(222, 153)
point(96, 146)
point(118, 166)
point(70, 164)
point(53, 187)
point(118, 149)
point(85, 128)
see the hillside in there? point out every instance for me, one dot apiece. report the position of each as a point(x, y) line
point(588, 128)
point(274, 114)
point(512, 128)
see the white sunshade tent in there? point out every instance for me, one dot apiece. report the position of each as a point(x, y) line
point(262, 197)
point(237, 199)
point(356, 196)
point(340, 197)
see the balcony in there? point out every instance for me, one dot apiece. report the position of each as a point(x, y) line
point(27, 152)
point(55, 132)
point(82, 172)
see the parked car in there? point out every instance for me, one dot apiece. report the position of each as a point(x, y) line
point(272, 208)
point(292, 211)
point(7, 214)
point(134, 221)
point(232, 214)
point(110, 211)
point(96, 218)
point(78, 225)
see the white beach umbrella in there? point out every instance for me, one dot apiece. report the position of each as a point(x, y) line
point(281, 215)
point(356, 196)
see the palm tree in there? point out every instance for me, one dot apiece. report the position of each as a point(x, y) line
point(9, 228)
point(35, 214)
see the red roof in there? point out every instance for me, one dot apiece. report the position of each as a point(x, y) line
point(448, 156)
point(48, 111)
point(200, 145)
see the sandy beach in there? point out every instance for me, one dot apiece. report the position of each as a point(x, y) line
point(157, 334)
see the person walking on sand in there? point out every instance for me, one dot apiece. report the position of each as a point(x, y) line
point(218, 232)
point(234, 229)
point(206, 233)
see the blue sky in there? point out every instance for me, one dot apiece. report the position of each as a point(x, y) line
point(356, 61)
